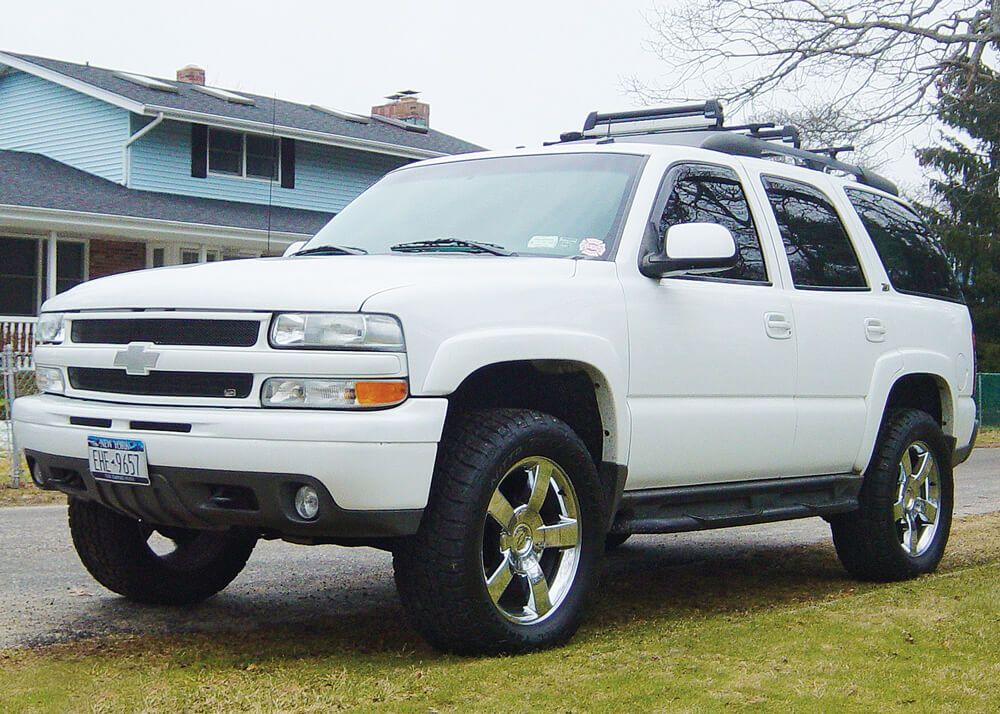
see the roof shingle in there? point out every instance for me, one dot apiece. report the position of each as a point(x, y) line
point(264, 110)
point(37, 181)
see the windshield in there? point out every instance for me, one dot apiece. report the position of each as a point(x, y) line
point(556, 205)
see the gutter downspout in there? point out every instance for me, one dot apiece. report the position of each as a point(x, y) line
point(126, 164)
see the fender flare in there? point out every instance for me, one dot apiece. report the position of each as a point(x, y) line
point(888, 371)
point(460, 356)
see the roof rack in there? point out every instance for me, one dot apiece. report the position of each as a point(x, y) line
point(640, 121)
point(703, 123)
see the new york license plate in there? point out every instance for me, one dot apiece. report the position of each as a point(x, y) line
point(119, 460)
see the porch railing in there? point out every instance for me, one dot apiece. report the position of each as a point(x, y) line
point(19, 333)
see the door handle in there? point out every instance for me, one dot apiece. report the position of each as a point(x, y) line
point(874, 330)
point(777, 326)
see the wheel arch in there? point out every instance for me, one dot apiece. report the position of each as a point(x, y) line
point(574, 392)
point(927, 391)
point(523, 365)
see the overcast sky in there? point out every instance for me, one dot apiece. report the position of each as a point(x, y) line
point(497, 74)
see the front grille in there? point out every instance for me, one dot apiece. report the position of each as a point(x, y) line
point(167, 331)
point(162, 384)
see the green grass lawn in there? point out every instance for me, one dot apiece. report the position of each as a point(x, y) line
point(780, 629)
point(988, 436)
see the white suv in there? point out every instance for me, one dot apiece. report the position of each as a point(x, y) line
point(496, 364)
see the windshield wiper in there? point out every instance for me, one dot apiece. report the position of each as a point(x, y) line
point(332, 250)
point(420, 246)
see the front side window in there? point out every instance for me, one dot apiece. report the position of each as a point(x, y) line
point(234, 153)
point(559, 205)
point(914, 261)
point(712, 194)
point(819, 250)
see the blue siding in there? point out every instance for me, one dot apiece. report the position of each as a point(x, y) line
point(327, 178)
point(44, 118)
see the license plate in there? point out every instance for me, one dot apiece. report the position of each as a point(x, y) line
point(119, 460)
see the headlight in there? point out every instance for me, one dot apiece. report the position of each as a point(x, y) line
point(337, 331)
point(313, 393)
point(49, 379)
point(50, 328)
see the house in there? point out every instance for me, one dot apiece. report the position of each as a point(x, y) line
point(103, 171)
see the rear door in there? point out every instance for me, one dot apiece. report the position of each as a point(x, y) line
point(840, 320)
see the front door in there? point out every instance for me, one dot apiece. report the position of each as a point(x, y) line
point(712, 358)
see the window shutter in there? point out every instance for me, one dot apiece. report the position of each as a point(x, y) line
point(199, 150)
point(288, 163)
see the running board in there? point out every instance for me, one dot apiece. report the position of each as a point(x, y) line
point(693, 508)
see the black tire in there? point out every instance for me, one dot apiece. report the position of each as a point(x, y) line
point(613, 540)
point(876, 542)
point(114, 549)
point(441, 572)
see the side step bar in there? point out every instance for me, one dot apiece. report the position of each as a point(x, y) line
point(692, 508)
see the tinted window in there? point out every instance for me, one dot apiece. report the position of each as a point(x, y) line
point(819, 252)
point(709, 194)
point(913, 259)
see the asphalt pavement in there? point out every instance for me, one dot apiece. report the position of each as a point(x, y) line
point(46, 596)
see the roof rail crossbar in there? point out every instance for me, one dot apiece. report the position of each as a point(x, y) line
point(832, 151)
point(745, 145)
point(788, 134)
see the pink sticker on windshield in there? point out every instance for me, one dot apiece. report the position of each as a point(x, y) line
point(592, 247)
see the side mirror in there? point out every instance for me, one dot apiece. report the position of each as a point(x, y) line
point(293, 248)
point(692, 249)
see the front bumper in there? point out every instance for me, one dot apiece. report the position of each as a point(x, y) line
point(373, 468)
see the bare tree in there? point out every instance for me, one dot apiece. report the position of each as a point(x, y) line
point(872, 62)
point(822, 126)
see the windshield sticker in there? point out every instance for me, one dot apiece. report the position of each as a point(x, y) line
point(592, 247)
point(543, 241)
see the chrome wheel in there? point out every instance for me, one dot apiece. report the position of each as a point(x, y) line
point(917, 509)
point(531, 540)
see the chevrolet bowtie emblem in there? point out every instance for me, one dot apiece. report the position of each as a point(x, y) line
point(137, 358)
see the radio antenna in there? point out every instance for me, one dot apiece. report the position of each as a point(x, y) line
point(276, 157)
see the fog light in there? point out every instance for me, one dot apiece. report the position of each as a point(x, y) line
point(307, 502)
point(35, 469)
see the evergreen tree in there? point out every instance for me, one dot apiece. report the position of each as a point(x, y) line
point(966, 212)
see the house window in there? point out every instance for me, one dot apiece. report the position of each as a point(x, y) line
point(193, 255)
point(233, 153)
point(69, 264)
point(19, 276)
point(24, 268)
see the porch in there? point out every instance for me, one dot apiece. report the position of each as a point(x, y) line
point(19, 334)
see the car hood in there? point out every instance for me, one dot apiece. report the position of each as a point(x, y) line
point(340, 282)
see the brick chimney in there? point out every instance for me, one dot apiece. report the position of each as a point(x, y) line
point(191, 74)
point(404, 106)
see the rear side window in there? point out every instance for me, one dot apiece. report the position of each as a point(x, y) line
point(915, 262)
point(713, 194)
point(820, 254)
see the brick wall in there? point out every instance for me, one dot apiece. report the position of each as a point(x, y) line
point(108, 257)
